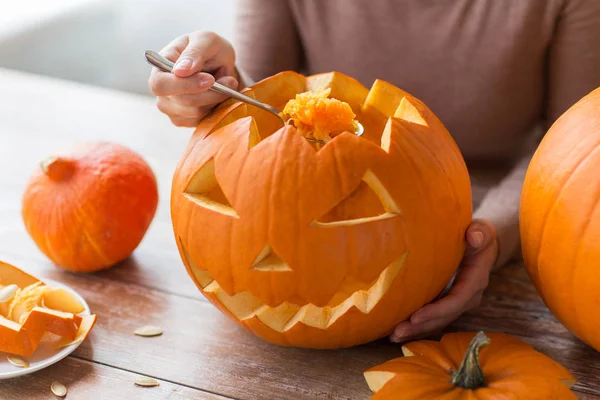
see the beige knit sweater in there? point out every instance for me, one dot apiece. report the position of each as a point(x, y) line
point(497, 72)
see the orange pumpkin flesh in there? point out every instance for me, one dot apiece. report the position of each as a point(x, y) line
point(317, 117)
point(27, 316)
point(326, 247)
point(90, 208)
point(468, 366)
point(560, 219)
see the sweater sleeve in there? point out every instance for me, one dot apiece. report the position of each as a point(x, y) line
point(501, 206)
point(573, 71)
point(266, 40)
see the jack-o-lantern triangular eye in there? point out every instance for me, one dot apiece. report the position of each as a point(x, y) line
point(368, 202)
point(204, 190)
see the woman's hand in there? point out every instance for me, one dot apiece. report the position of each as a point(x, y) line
point(480, 257)
point(183, 95)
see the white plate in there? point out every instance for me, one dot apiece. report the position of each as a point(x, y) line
point(46, 354)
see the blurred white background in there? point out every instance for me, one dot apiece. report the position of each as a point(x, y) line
point(101, 42)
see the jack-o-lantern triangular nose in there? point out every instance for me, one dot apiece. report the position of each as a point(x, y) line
point(267, 260)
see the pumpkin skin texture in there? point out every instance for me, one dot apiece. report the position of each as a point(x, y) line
point(36, 309)
point(511, 369)
point(321, 247)
point(560, 219)
point(89, 208)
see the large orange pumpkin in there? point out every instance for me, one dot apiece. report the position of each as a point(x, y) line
point(29, 309)
point(321, 246)
point(560, 218)
point(453, 369)
point(89, 208)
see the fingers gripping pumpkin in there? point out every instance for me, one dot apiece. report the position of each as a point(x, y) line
point(321, 247)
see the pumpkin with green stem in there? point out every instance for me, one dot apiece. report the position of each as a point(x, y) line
point(465, 366)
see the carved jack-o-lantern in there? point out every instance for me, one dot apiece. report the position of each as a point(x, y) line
point(321, 246)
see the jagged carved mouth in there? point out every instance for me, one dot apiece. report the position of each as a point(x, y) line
point(285, 316)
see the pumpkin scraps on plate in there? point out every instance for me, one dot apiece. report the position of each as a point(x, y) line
point(321, 247)
point(465, 366)
point(31, 312)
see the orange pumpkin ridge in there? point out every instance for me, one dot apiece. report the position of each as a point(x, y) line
point(560, 218)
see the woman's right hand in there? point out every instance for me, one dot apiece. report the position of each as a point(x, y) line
point(200, 59)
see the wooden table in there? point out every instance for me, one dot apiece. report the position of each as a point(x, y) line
point(201, 354)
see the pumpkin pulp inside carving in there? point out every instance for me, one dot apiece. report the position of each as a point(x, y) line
point(318, 117)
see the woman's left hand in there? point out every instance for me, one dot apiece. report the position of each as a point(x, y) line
point(478, 261)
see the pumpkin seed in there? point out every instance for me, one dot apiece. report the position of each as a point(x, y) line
point(145, 381)
point(58, 389)
point(148, 331)
point(8, 292)
point(18, 361)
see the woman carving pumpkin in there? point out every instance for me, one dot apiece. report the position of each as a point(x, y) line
point(497, 73)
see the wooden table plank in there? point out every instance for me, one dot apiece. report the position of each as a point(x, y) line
point(583, 396)
point(90, 381)
point(200, 348)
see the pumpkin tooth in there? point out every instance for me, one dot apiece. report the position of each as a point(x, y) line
point(277, 318)
point(212, 287)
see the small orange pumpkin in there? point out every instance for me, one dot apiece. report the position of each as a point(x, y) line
point(560, 219)
point(321, 246)
point(29, 309)
point(89, 209)
point(453, 369)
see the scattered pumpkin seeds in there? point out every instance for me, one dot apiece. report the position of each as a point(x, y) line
point(148, 331)
point(18, 361)
point(8, 292)
point(146, 381)
point(58, 389)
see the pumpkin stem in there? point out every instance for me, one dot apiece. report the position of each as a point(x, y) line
point(57, 168)
point(470, 375)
